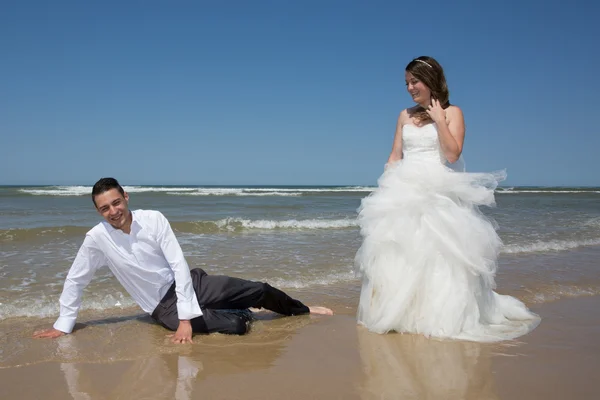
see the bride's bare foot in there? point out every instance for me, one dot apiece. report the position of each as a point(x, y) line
point(320, 310)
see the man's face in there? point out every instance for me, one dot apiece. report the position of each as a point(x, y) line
point(113, 206)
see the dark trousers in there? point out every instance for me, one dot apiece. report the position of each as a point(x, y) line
point(224, 302)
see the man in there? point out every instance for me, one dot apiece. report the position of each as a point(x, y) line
point(143, 253)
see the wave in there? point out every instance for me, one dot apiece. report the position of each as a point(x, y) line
point(593, 223)
point(232, 192)
point(544, 191)
point(548, 293)
point(553, 245)
point(240, 224)
point(22, 235)
point(46, 306)
point(235, 225)
point(197, 227)
point(271, 191)
point(198, 191)
point(303, 283)
point(87, 190)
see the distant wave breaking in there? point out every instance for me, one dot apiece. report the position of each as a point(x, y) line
point(198, 191)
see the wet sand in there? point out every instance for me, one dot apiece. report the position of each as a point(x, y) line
point(308, 357)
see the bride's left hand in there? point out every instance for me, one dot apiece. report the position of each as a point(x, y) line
point(436, 112)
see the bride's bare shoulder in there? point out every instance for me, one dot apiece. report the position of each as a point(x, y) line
point(453, 110)
point(406, 115)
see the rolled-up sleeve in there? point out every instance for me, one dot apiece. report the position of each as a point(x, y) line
point(187, 302)
point(89, 258)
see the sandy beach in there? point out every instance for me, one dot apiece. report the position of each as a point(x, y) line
point(308, 357)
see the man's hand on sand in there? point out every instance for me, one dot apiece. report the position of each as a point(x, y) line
point(48, 333)
point(183, 333)
point(320, 310)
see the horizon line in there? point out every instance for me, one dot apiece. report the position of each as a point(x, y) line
point(276, 185)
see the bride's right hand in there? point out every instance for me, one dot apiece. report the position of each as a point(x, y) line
point(390, 162)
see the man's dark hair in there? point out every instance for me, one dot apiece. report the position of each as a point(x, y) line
point(104, 185)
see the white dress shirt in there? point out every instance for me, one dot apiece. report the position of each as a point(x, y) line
point(146, 262)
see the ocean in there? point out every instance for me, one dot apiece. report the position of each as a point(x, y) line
point(301, 239)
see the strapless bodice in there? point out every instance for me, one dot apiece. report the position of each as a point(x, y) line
point(421, 143)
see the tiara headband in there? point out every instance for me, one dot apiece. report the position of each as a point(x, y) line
point(424, 62)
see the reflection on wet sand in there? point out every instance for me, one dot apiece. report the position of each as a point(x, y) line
point(155, 377)
point(415, 367)
point(133, 360)
point(159, 377)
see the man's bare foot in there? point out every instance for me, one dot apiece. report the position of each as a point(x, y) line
point(320, 310)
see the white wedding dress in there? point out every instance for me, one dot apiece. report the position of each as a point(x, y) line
point(428, 258)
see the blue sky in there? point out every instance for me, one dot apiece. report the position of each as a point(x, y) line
point(288, 92)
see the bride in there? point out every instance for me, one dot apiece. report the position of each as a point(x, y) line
point(428, 258)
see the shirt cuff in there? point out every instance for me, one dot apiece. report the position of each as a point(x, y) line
point(188, 309)
point(64, 324)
